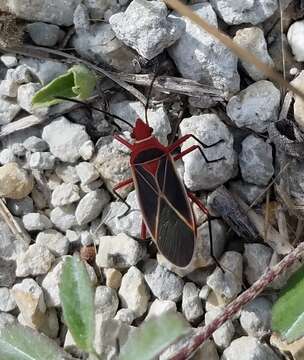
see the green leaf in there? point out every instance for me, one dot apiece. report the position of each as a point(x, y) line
point(78, 82)
point(288, 310)
point(77, 300)
point(154, 336)
point(22, 343)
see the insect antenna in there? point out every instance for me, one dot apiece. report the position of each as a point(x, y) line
point(149, 95)
point(95, 108)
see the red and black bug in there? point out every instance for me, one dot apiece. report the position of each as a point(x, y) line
point(164, 201)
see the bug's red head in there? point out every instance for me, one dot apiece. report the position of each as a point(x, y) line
point(141, 130)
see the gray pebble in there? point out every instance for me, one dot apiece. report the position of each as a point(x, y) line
point(37, 260)
point(119, 251)
point(43, 34)
point(25, 95)
point(164, 284)
point(256, 162)
point(235, 12)
point(35, 144)
point(21, 207)
point(125, 315)
point(248, 348)
point(8, 110)
point(56, 242)
point(91, 205)
point(255, 317)
point(209, 129)
point(224, 334)
point(134, 293)
point(106, 302)
point(65, 139)
point(248, 192)
point(145, 27)
point(255, 107)
point(9, 60)
point(7, 272)
point(65, 194)
point(86, 172)
point(67, 173)
point(192, 306)
point(256, 261)
point(86, 150)
point(36, 222)
point(7, 156)
point(63, 217)
point(7, 302)
point(8, 88)
point(227, 285)
point(42, 161)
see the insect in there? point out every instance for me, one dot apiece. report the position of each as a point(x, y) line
point(164, 201)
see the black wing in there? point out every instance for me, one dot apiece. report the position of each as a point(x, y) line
point(166, 210)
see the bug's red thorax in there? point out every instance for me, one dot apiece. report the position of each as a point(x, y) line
point(145, 141)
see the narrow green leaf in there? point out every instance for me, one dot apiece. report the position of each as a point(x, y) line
point(22, 343)
point(288, 310)
point(154, 336)
point(77, 300)
point(78, 82)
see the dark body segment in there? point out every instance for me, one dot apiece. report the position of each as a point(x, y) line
point(165, 205)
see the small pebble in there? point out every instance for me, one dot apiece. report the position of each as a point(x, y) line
point(91, 205)
point(8, 110)
point(36, 222)
point(65, 139)
point(134, 293)
point(65, 194)
point(63, 217)
point(228, 284)
point(7, 272)
point(255, 107)
point(256, 261)
point(249, 348)
point(21, 207)
point(8, 88)
point(35, 144)
point(42, 161)
point(7, 302)
point(295, 39)
point(56, 242)
point(256, 162)
point(106, 302)
point(192, 306)
point(43, 34)
point(36, 260)
point(30, 301)
point(86, 150)
point(125, 315)
point(255, 317)
point(164, 284)
point(119, 251)
point(113, 278)
point(159, 307)
point(67, 173)
point(15, 182)
point(9, 60)
point(25, 95)
point(7, 156)
point(224, 334)
point(86, 172)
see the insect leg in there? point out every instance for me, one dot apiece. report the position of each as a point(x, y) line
point(123, 141)
point(143, 233)
point(194, 147)
point(119, 186)
point(181, 140)
point(209, 218)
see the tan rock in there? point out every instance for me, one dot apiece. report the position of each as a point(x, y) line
point(15, 182)
point(113, 278)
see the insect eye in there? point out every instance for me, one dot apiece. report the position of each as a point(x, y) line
point(151, 130)
point(132, 136)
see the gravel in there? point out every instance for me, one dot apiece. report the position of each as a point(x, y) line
point(57, 177)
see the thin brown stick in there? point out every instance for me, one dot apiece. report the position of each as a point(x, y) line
point(15, 228)
point(230, 310)
point(239, 51)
